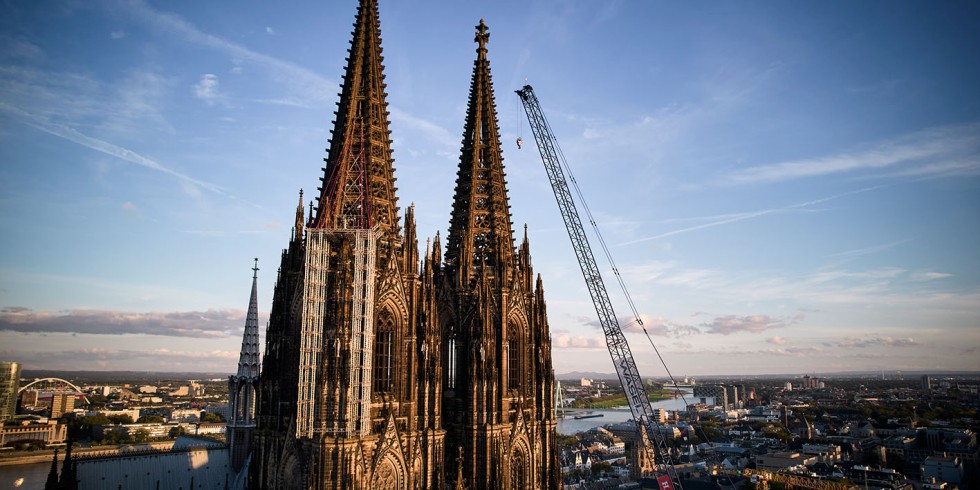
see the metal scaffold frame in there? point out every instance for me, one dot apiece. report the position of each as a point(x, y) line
point(352, 419)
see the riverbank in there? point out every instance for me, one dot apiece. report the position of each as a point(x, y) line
point(616, 401)
point(571, 426)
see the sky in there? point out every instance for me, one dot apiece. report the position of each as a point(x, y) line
point(785, 187)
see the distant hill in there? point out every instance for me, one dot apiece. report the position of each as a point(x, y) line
point(578, 375)
point(99, 377)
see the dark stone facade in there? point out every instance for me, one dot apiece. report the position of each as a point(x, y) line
point(385, 369)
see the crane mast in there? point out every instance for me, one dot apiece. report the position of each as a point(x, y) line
point(619, 349)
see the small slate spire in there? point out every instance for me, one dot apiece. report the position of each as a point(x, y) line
point(248, 361)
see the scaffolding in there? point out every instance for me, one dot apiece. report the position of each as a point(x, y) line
point(346, 411)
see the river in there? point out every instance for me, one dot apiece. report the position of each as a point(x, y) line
point(570, 425)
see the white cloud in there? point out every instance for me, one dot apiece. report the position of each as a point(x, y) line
point(303, 82)
point(577, 342)
point(159, 360)
point(213, 323)
point(730, 324)
point(931, 150)
point(434, 132)
point(207, 88)
point(865, 342)
point(930, 276)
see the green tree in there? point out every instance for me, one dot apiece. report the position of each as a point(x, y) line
point(93, 420)
point(121, 419)
point(566, 441)
point(150, 419)
point(141, 435)
point(778, 432)
point(212, 417)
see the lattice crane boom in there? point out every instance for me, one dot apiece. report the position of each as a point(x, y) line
point(619, 349)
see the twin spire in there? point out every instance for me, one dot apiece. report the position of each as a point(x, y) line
point(358, 187)
point(480, 230)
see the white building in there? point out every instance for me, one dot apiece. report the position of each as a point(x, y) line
point(942, 469)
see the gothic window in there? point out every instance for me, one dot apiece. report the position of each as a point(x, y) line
point(451, 360)
point(384, 344)
point(518, 470)
point(513, 357)
point(387, 476)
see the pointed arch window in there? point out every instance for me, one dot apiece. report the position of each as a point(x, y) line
point(514, 348)
point(451, 358)
point(384, 346)
point(518, 470)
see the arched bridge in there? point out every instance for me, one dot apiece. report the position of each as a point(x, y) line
point(49, 380)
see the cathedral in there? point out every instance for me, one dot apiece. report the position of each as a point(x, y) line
point(385, 368)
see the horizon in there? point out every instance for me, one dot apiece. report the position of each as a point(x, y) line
point(888, 375)
point(780, 185)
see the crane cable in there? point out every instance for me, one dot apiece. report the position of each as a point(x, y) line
point(520, 139)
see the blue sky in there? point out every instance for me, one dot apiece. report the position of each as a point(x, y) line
point(785, 187)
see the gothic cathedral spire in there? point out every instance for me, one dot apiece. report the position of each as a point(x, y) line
point(243, 386)
point(480, 230)
point(495, 326)
point(379, 371)
point(358, 186)
point(248, 359)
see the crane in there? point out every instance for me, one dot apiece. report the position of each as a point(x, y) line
point(650, 435)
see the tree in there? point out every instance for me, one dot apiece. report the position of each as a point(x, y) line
point(93, 420)
point(601, 467)
point(141, 435)
point(121, 419)
point(567, 441)
point(710, 431)
point(779, 433)
point(212, 417)
point(150, 419)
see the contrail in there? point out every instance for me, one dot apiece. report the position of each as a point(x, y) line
point(71, 134)
point(755, 214)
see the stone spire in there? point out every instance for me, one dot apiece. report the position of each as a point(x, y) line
point(298, 226)
point(248, 360)
point(243, 387)
point(358, 186)
point(480, 230)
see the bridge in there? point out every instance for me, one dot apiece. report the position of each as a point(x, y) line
point(51, 380)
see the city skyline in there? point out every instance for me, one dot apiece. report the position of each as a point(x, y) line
point(785, 189)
